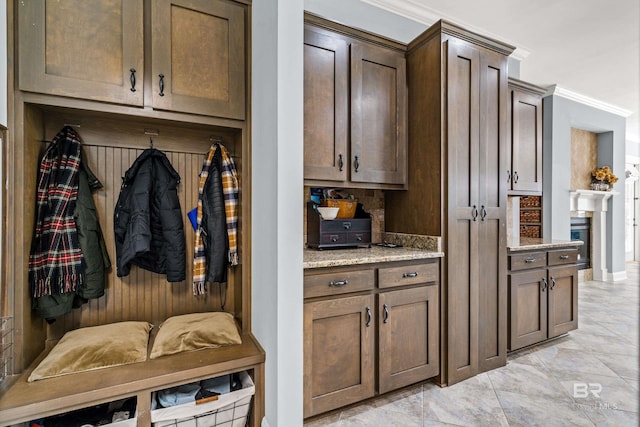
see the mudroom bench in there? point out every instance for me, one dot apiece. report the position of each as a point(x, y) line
point(22, 401)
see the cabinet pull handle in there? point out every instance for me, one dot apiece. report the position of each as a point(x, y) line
point(161, 83)
point(508, 176)
point(544, 284)
point(483, 213)
point(132, 79)
point(474, 213)
point(346, 225)
point(515, 177)
point(359, 237)
point(339, 283)
point(564, 256)
point(385, 313)
point(334, 238)
point(368, 323)
point(340, 162)
point(530, 260)
point(553, 284)
point(356, 163)
point(414, 274)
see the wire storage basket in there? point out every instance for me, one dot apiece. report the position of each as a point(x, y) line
point(230, 410)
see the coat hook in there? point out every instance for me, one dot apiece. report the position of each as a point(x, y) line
point(151, 132)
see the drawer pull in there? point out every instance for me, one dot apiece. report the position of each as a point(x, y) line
point(346, 225)
point(564, 256)
point(530, 260)
point(339, 283)
point(368, 323)
point(334, 238)
point(414, 274)
point(385, 313)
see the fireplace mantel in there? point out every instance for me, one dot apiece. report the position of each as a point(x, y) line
point(590, 200)
point(596, 202)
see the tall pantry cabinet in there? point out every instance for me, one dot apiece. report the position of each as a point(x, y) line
point(457, 164)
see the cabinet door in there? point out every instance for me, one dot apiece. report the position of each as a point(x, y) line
point(563, 300)
point(339, 345)
point(462, 222)
point(527, 308)
point(80, 49)
point(526, 144)
point(492, 201)
point(198, 57)
point(378, 115)
point(408, 337)
point(326, 109)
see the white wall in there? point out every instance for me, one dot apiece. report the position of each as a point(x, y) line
point(277, 193)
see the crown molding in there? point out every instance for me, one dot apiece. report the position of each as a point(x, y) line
point(582, 99)
point(416, 11)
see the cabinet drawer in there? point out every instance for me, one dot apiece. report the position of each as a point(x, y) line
point(565, 256)
point(527, 260)
point(337, 282)
point(408, 275)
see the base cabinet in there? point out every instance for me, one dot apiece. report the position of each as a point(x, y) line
point(357, 319)
point(543, 302)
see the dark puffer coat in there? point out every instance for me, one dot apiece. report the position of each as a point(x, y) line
point(214, 223)
point(148, 220)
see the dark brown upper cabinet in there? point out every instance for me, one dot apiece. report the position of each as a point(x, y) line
point(96, 51)
point(91, 50)
point(525, 155)
point(355, 108)
point(198, 57)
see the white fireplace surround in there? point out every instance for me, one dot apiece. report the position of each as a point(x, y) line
point(596, 202)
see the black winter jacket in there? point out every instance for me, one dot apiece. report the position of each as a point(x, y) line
point(148, 221)
point(214, 223)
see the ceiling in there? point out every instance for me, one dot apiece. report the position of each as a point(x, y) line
point(588, 47)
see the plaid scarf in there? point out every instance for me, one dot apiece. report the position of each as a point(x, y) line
point(230, 189)
point(55, 261)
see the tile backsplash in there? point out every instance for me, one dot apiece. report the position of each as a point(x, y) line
point(372, 202)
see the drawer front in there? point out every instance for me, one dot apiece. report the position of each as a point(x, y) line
point(564, 256)
point(527, 260)
point(359, 237)
point(333, 238)
point(408, 275)
point(338, 282)
point(345, 225)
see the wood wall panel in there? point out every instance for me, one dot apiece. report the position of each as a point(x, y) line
point(110, 150)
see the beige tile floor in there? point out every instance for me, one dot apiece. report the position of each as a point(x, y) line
point(536, 388)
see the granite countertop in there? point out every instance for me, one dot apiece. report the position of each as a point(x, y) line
point(531, 243)
point(341, 257)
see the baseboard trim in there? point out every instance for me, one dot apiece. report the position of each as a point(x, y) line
point(617, 276)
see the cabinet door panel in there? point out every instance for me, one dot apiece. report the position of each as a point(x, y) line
point(563, 300)
point(378, 115)
point(82, 49)
point(526, 123)
point(338, 353)
point(199, 48)
point(409, 335)
point(527, 308)
point(326, 74)
point(462, 230)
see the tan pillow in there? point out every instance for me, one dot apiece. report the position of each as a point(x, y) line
point(95, 347)
point(193, 332)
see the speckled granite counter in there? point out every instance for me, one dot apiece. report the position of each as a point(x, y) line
point(530, 243)
point(341, 257)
